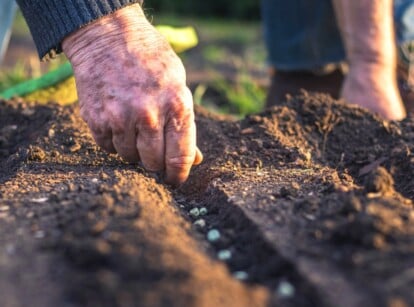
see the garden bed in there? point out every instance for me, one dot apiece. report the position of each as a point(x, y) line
point(306, 204)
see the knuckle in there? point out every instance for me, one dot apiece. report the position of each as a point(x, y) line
point(181, 98)
point(180, 112)
point(118, 119)
point(179, 72)
point(180, 162)
point(180, 124)
point(148, 123)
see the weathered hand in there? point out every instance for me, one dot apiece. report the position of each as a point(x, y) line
point(133, 94)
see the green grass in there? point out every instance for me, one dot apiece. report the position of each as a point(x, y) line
point(226, 45)
point(243, 97)
point(24, 70)
point(13, 77)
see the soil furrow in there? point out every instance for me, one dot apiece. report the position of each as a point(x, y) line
point(94, 231)
point(249, 251)
point(324, 184)
point(308, 202)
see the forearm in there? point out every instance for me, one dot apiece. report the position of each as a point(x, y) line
point(367, 30)
point(50, 21)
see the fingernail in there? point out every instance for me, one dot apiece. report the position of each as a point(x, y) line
point(198, 157)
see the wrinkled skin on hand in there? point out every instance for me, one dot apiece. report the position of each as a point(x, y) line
point(133, 94)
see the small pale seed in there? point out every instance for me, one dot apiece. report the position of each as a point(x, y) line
point(195, 212)
point(201, 223)
point(240, 275)
point(224, 255)
point(213, 235)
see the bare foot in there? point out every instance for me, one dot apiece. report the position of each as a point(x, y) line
point(374, 87)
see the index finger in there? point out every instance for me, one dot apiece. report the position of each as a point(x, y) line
point(180, 139)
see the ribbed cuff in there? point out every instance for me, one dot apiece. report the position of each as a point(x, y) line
point(51, 20)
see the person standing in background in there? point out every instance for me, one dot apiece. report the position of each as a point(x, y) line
point(309, 43)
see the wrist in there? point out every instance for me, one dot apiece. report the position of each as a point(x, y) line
point(107, 33)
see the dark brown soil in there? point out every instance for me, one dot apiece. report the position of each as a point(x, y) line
point(313, 199)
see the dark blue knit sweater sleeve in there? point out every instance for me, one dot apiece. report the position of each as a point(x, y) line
point(51, 20)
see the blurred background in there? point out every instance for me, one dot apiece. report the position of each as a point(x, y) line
point(226, 70)
point(243, 9)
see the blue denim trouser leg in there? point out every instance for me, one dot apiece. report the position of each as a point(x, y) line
point(404, 28)
point(303, 34)
point(7, 11)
